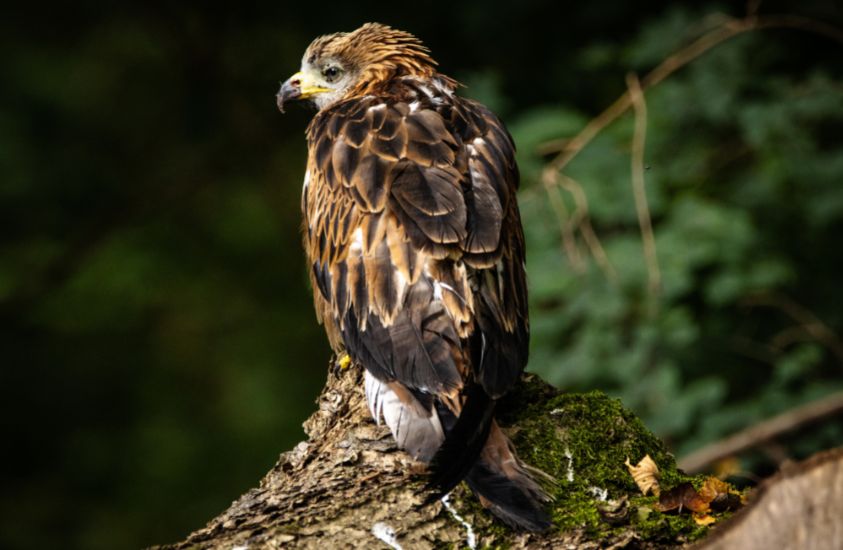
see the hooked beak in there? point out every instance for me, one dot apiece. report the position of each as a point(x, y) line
point(298, 86)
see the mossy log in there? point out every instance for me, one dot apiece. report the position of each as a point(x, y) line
point(349, 486)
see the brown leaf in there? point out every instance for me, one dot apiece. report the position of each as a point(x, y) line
point(680, 498)
point(712, 487)
point(646, 475)
point(720, 495)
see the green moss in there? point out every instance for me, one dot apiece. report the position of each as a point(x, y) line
point(583, 441)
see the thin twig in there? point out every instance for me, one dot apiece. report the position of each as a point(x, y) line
point(581, 220)
point(597, 251)
point(566, 225)
point(763, 432)
point(642, 208)
point(809, 323)
point(751, 349)
point(794, 335)
point(569, 148)
point(800, 23)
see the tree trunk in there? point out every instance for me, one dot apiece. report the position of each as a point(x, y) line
point(348, 485)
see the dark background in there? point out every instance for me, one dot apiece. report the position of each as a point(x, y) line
point(157, 340)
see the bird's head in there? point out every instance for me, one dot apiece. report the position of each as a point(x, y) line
point(350, 64)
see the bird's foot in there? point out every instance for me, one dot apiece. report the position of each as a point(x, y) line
point(341, 364)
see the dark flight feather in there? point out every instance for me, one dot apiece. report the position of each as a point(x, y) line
point(466, 436)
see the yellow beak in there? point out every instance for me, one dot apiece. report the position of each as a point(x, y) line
point(298, 86)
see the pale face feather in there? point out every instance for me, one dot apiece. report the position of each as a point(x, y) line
point(319, 73)
point(354, 64)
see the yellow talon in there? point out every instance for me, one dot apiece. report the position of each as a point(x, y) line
point(344, 361)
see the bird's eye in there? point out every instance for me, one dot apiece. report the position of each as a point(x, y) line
point(330, 73)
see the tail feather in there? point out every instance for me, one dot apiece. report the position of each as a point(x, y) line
point(505, 487)
point(465, 445)
point(465, 438)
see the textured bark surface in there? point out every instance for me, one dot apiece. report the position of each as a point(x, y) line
point(348, 486)
point(341, 488)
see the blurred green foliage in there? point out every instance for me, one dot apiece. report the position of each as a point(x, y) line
point(157, 341)
point(744, 165)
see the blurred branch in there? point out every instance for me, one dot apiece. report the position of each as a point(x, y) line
point(567, 149)
point(810, 327)
point(566, 225)
point(642, 208)
point(580, 220)
point(763, 432)
point(751, 349)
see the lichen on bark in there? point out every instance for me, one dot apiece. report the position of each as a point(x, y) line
point(349, 486)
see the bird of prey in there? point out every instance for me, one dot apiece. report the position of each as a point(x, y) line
point(416, 254)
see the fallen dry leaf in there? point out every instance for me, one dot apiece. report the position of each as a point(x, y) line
point(646, 475)
point(715, 494)
point(712, 487)
point(720, 495)
point(682, 497)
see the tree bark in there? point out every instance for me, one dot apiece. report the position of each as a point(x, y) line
point(349, 486)
point(800, 507)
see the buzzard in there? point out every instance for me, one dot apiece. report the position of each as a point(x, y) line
point(414, 240)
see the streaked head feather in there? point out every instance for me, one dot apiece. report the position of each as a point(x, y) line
point(367, 59)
